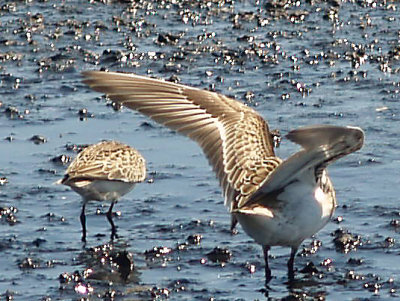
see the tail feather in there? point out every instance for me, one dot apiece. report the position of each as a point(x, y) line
point(58, 182)
point(62, 180)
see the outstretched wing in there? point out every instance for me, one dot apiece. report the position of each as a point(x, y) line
point(235, 138)
point(322, 145)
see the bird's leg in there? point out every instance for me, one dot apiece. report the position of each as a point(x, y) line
point(267, 269)
point(233, 225)
point(109, 217)
point(290, 264)
point(83, 223)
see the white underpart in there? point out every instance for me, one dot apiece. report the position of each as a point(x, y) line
point(102, 190)
point(304, 209)
point(323, 198)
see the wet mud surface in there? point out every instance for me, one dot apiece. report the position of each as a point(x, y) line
point(296, 62)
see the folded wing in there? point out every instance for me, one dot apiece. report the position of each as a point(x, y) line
point(108, 161)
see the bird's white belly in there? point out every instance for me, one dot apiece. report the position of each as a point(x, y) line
point(101, 190)
point(303, 210)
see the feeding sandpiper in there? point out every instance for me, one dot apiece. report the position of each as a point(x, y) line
point(278, 203)
point(104, 172)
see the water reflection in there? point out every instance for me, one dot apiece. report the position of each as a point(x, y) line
point(298, 289)
point(109, 270)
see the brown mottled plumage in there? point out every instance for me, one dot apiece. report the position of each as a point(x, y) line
point(104, 172)
point(276, 202)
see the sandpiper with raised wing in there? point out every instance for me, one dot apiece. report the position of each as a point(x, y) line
point(277, 202)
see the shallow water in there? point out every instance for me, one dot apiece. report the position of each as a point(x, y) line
point(307, 62)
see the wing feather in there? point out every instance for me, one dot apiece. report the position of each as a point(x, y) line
point(234, 137)
point(321, 146)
